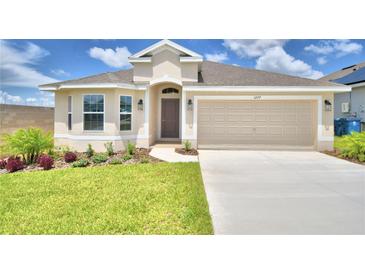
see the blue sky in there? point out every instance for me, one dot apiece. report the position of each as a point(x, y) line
point(28, 63)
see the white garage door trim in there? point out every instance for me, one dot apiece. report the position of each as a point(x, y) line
point(320, 136)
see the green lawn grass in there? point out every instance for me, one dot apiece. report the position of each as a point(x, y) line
point(163, 198)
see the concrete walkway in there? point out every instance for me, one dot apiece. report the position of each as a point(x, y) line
point(283, 192)
point(168, 154)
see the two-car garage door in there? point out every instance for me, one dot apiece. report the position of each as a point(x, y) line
point(256, 123)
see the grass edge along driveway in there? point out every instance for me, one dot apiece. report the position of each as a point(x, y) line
point(163, 198)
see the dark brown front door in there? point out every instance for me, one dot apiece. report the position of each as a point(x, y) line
point(170, 118)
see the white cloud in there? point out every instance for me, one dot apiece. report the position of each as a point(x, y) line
point(42, 98)
point(337, 47)
point(45, 99)
point(117, 58)
point(271, 56)
point(6, 98)
point(277, 60)
point(60, 72)
point(217, 57)
point(321, 60)
point(344, 47)
point(322, 49)
point(31, 100)
point(252, 48)
point(17, 65)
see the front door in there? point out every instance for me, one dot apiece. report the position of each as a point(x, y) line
point(170, 118)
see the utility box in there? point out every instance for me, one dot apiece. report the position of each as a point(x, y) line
point(345, 107)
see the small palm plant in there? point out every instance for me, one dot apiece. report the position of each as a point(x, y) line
point(28, 143)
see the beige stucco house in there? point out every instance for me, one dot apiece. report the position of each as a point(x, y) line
point(172, 94)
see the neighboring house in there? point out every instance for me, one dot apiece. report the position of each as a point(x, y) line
point(350, 103)
point(171, 94)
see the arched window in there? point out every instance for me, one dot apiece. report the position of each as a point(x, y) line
point(169, 90)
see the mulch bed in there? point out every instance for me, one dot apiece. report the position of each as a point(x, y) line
point(191, 152)
point(140, 155)
point(336, 153)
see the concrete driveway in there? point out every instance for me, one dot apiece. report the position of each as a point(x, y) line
point(283, 192)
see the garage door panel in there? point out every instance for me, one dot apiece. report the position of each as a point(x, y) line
point(256, 122)
point(276, 117)
point(261, 117)
point(276, 131)
point(248, 118)
point(234, 117)
point(240, 131)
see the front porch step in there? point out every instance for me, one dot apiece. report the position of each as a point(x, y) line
point(167, 144)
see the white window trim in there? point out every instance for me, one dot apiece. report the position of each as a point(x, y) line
point(70, 112)
point(83, 112)
point(125, 112)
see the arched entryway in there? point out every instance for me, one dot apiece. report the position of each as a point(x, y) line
point(165, 102)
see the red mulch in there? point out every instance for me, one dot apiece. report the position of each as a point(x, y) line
point(141, 154)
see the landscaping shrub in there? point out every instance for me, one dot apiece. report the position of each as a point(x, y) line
point(45, 161)
point(80, 163)
point(99, 158)
point(14, 164)
point(28, 143)
point(126, 157)
point(109, 148)
point(2, 163)
point(187, 145)
point(131, 148)
point(354, 146)
point(145, 160)
point(70, 157)
point(116, 161)
point(62, 149)
point(89, 151)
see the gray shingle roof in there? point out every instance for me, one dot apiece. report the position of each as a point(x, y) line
point(217, 74)
point(211, 74)
point(121, 76)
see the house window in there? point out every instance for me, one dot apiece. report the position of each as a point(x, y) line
point(69, 112)
point(125, 113)
point(169, 90)
point(94, 112)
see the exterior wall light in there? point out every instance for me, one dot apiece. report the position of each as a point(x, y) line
point(140, 104)
point(327, 105)
point(190, 104)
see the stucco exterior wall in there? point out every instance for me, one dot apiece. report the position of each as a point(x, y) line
point(72, 138)
point(189, 72)
point(327, 128)
point(142, 72)
point(153, 115)
point(357, 103)
point(165, 64)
